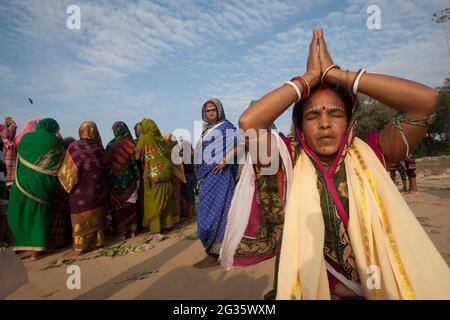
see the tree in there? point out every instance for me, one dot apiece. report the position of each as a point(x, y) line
point(437, 140)
point(441, 127)
point(374, 116)
point(443, 17)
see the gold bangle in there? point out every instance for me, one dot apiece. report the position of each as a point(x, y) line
point(338, 83)
point(326, 71)
point(346, 80)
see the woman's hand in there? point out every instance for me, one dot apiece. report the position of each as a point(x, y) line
point(313, 67)
point(219, 167)
point(137, 154)
point(325, 58)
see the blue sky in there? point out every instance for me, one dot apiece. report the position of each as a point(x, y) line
point(163, 59)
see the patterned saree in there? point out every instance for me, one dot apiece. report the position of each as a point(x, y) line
point(83, 176)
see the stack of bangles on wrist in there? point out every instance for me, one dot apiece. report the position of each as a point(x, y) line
point(356, 80)
point(306, 88)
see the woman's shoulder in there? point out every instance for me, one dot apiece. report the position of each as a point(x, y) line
point(226, 124)
point(41, 140)
point(78, 146)
point(75, 145)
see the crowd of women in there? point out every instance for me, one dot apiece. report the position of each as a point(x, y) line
point(57, 190)
point(329, 212)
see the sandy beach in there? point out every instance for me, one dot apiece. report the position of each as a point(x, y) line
point(164, 270)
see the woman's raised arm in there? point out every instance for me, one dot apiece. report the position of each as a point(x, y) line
point(415, 103)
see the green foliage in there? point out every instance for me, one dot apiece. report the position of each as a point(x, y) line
point(437, 141)
point(374, 116)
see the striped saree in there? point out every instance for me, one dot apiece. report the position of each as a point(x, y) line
point(123, 177)
point(9, 153)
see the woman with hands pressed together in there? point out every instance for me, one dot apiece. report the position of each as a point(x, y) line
point(348, 233)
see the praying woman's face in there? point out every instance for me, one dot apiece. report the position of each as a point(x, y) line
point(324, 123)
point(211, 112)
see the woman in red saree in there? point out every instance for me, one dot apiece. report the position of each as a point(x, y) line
point(29, 126)
point(8, 133)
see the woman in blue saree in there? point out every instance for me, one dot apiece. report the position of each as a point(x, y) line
point(214, 155)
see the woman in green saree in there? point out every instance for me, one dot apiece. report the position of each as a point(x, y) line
point(152, 150)
point(40, 155)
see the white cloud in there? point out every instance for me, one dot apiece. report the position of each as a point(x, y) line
point(126, 37)
point(234, 50)
point(7, 75)
point(408, 45)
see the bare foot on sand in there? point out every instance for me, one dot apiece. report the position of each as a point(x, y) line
point(208, 262)
point(24, 254)
point(36, 255)
point(122, 237)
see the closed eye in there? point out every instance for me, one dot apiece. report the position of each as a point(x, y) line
point(337, 113)
point(311, 115)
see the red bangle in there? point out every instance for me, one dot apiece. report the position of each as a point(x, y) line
point(305, 86)
point(302, 84)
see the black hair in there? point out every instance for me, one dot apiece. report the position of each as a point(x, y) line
point(67, 142)
point(344, 94)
